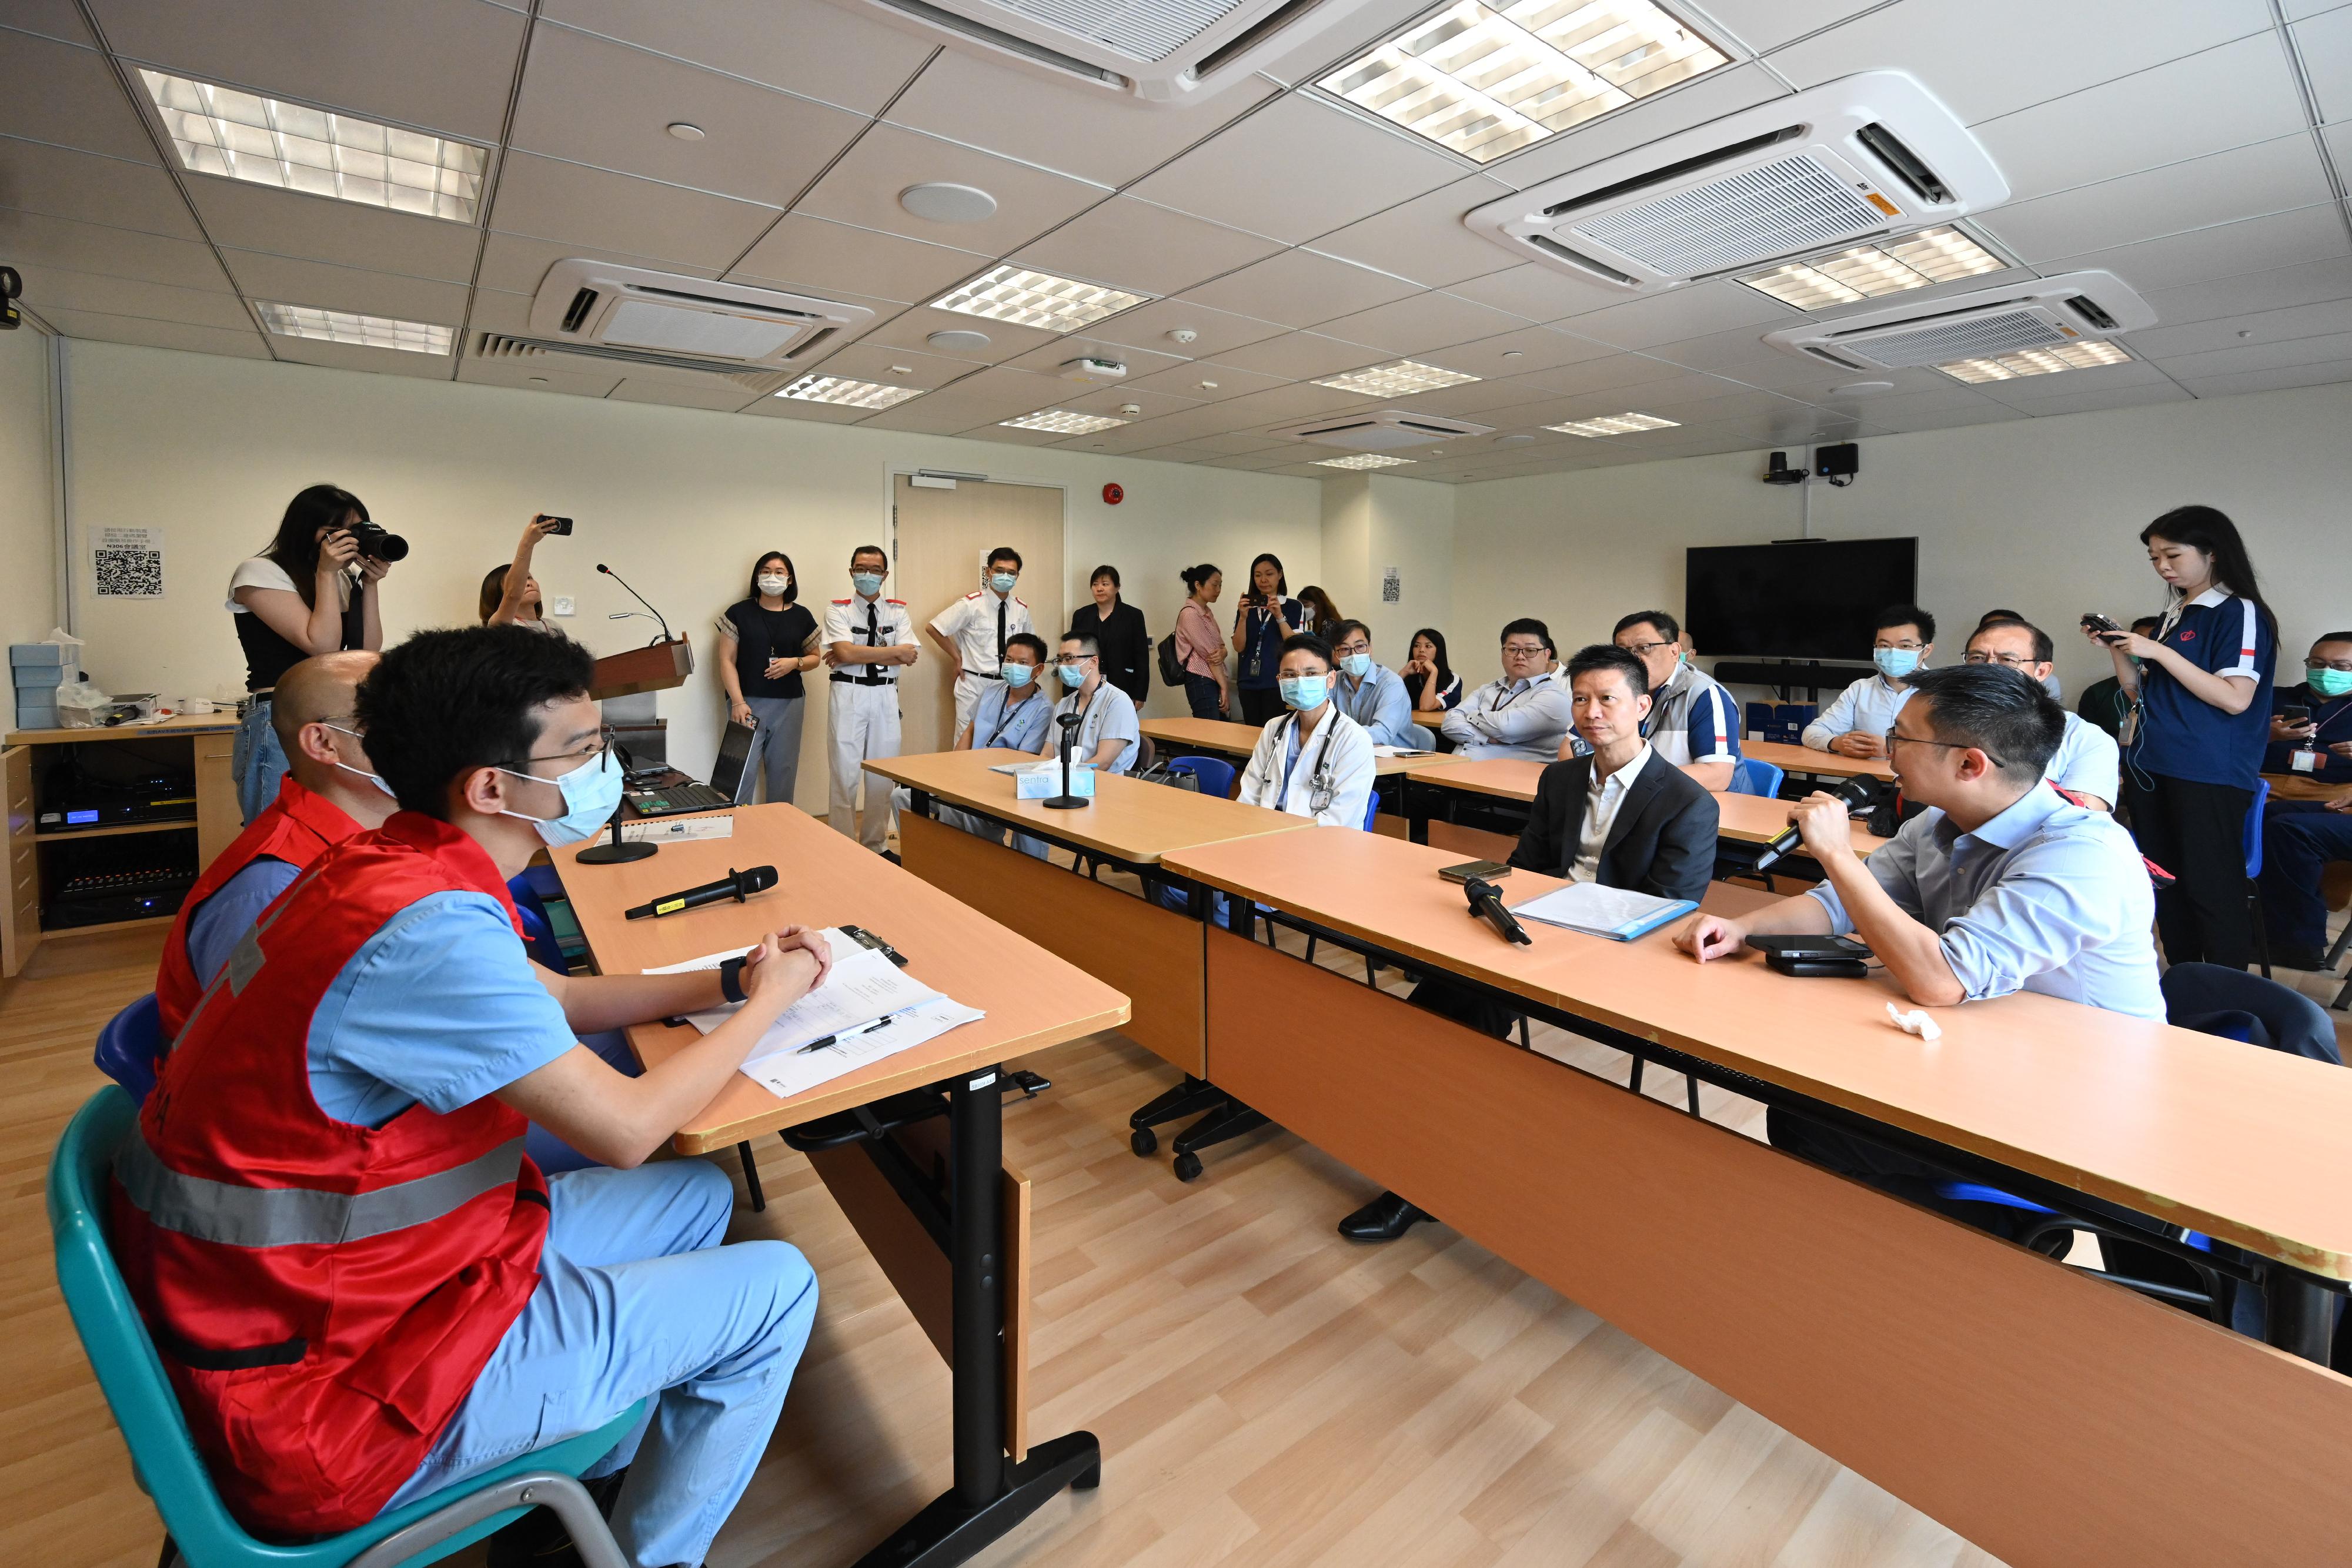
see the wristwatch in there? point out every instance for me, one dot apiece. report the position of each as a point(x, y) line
point(730, 980)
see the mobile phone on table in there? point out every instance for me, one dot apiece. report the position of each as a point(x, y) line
point(556, 525)
point(1840, 950)
point(1484, 871)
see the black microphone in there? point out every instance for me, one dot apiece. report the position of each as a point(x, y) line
point(640, 598)
point(1065, 801)
point(1856, 792)
point(1486, 904)
point(736, 885)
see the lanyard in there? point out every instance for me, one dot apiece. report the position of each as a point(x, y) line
point(1007, 716)
point(1497, 707)
point(1291, 765)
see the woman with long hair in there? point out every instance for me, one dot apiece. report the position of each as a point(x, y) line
point(309, 592)
point(509, 593)
point(2201, 694)
point(1429, 679)
point(1118, 629)
point(1321, 613)
point(1266, 619)
point(1208, 689)
point(767, 641)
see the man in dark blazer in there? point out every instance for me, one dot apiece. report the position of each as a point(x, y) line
point(1623, 816)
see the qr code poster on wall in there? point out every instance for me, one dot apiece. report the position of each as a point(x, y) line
point(1391, 585)
point(128, 563)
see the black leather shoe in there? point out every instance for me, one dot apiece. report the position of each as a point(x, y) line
point(2310, 958)
point(1384, 1218)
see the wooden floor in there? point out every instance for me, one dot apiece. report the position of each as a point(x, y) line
point(1267, 1393)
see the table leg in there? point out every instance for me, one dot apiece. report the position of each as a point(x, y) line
point(2299, 1315)
point(1416, 810)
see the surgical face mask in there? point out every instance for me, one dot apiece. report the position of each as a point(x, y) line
point(868, 583)
point(590, 792)
point(2050, 685)
point(1303, 693)
point(1019, 675)
point(1002, 581)
point(1073, 675)
point(375, 779)
point(1895, 662)
point(2332, 683)
point(1356, 667)
point(777, 582)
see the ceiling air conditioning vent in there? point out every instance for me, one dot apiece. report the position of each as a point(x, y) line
point(1868, 156)
point(658, 318)
point(1161, 51)
point(506, 346)
point(2040, 313)
point(1383, 432)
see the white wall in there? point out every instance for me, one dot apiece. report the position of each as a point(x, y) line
point(677, 500)
point(2041, 516)
point(1372, 522)
point(28, 525)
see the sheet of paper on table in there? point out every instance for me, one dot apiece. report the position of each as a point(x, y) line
point(658, 832)
point(1620, 914)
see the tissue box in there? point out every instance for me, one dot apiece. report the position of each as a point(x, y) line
point(39, 653)
point(36, 678)
point(1045, 783)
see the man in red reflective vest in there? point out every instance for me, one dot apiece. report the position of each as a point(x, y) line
point(362, 1289)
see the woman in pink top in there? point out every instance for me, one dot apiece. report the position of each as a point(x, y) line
point(1207, 688)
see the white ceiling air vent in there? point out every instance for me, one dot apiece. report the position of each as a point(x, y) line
point(1870, 156)
point(669, 323)
point(1384, 430)
point(2039, 313)
point(1161, 51)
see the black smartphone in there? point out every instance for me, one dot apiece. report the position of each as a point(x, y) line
point(1842, 948)
point(1487, 871)
point(556, 525)
point(1830, 969)
point(2294, 715)
point(2102, 625)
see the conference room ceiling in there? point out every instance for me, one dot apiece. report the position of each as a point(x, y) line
point(2197, 148)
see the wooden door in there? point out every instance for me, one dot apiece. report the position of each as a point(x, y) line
point(942, 542)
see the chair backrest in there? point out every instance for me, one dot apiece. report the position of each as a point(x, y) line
point(2214, 999)
point(1753, 776)
point(1421, 737)
point(1371, 812)
point(1145, 754)
point(538, 930)
point(2249, 837)
point(1215, 775)
point(130, 1047)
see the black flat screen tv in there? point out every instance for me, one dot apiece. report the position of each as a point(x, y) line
point(1804, 601)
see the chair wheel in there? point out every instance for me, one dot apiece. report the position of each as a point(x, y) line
point(1188, 1167)
point(1143, 1141)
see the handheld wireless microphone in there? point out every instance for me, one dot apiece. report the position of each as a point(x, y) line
point(1856, 792)
point(640, 598)
point(736, 885)
point(1486, 904)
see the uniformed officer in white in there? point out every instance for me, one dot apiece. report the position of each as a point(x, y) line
point(1313, 761)
point(1525, 713)
point(867, 640)
point(1692, 723)
point(1108, 733)
point(2087, 765)
point(1856, 724)
point(972, 631)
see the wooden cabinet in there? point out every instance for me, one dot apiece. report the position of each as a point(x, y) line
point(218, 821)
point(20, 875)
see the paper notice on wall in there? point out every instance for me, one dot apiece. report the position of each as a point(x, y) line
point(1391, 585)
point(128, 563)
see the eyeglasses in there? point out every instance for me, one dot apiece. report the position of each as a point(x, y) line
point(1893, 737)
point(602, 744)
point(2317, 664)
point(2014, 661)
point(1909, 644)
point(1642, 649)
point(1523, 650)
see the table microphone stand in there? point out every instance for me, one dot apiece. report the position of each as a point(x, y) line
point(1066, 801)
point(619, 851)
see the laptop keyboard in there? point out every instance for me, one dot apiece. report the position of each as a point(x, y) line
point(678, 798)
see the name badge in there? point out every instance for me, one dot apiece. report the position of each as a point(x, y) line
point(2303, 761)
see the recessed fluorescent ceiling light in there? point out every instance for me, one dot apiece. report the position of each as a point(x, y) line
point(1362, 460)
point(1486, 80)
point(241, 136)
point(2036, 363)
point(852, 394)
point(1402, 379)
point(1028, 298)
point(1062, 421)
point(364, 331)
point(1615, 424)
point(1867, 271)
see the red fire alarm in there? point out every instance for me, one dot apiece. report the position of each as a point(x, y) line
point(1113, 494)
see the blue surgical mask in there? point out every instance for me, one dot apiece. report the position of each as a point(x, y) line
point(1073, 675)
point(375, 779)
point(1895, 662)
point(1304, 692)
point(1002, 581)
point(1356, 667)
point(590, 792)
point(1019, 675)
point(2050, 685)
point(2331, 683)
point(868, 583)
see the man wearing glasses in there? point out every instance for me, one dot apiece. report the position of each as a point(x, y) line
point(1692, 723)
point(2087, 762)
point(1902, 637)
point(2302, 836)
point(1108, 734)
point(1371, 693)
point(1525, 713)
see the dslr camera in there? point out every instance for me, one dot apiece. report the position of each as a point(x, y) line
point(375, 543)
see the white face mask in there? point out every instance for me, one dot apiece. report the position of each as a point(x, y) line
point(775, 583)
point(375, 779)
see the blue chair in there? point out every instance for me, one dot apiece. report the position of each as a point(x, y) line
point(1751, 776)
point(131, 1047)
point(201, 1532)
point(538, 930)
point(1214, 775)
point(2251, 839)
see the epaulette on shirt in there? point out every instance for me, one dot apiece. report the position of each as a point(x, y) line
point(841, 602)
point(900, 602)
point(973, 594)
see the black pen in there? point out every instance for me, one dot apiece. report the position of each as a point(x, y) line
point(844, 1034)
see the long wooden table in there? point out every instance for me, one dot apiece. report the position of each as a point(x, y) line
point(1221, 738)
point(1744, 818)
point(957, 1257)
point(2050, 1418)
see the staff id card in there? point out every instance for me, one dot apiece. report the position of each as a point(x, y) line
point(2304, 760)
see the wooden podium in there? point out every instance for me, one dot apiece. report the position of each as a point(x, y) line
point(654, 668)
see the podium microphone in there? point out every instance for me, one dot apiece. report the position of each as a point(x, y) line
point(736, 885)
point(640, 598)
point(1856, 792)
point(1065, 801)
point(1486, 904)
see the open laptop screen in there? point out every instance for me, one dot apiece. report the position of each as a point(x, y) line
point(734, 750)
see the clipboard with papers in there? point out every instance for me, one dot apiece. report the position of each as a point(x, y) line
point(1618, 913)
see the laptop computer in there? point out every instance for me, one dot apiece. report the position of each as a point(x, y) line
point(726, 778)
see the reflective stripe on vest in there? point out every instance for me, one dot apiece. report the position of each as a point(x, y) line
point(235, 1216)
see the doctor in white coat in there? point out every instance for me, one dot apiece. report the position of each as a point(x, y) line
point(1312, 760)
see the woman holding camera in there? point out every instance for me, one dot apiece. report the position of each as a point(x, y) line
point(308, 593)
point(766, 640)
point(1267, 618)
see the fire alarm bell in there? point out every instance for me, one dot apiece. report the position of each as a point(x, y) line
point(1113, 494)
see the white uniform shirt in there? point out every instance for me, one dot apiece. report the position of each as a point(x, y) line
point(1606, 795)
point(2086, 761)
point(1529, 719)
point(878, 622)
point(1109, 714)
point(970, 625)
point(1328, 774)
point(1869, 706)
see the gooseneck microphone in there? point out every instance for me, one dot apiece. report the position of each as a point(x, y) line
point(736, 885)
point(1486, 904)
point(1856, 792)
point(640, 598)
point(1065, 801)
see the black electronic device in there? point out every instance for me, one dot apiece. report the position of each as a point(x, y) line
point(2294, 715)
point(1810, 600)
point(1817, 968)
point(2102, 625)
point(1777, 471)
point(726, 779)
point(1856, 792)
point(556, 525)
point(1487, 904)
point(12, 284)
point(1803, 946)
point(640, 598)
point(1065, 801)
point(108, 787)
point(737, 885)
point(1487, 870)
point(1842, 461)
point(375, 543)
point(99, 881)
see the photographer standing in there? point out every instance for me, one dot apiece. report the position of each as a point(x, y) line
point(1267, 618)
point(767, 641)
point(510, 593)
point(307, 594)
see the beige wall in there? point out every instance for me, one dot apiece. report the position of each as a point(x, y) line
point(2041, 516)
point(27, 516)
point(1372, 522)
point(677, 501)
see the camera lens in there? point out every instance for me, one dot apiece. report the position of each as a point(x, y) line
point(378, 545)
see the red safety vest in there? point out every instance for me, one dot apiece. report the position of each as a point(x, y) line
point(323, 1294)
point(297, 828)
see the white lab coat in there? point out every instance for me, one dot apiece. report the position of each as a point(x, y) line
point(1334, 770)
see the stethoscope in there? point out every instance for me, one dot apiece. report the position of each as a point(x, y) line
point(1321, 789)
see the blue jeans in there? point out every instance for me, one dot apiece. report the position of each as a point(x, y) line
point(2299, 838)
point(258, 761)
point(636, 1297)
point(1201, 694)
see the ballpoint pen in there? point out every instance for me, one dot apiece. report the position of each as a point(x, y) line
point(844, 1034)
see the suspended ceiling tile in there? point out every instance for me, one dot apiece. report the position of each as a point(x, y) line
point(292, 282)
point(1764, 25)
point(2325, 43)
point(864, 189)
point(1296, 169)
point(89, 291)
point(1299, 355)
point(1424, 239)
point(1299, 288)
point(910, 329)
point(58, 19)
point(816, 256)
point(494, 310)
point(2089, 401)
point(1538, 293)
point(884, 366)
point(572, 375)
point(243, 345)
point(441, 65)
point(1689, 312)
point(1116, 401)
point(776, 407)
point(591, 100)
point(1693, 103)
point(62, 184)
point(353, 357)
point(1420, 324)
point(569, 202)
point(2277, 239)
point(1521, 352)
point(1144, 248)
point(822, 51)
point(2257, 357)
point(714, 392)
point(1610, 371)
point(519, 263)
point(1050, 359)
point(2313, 283)
point(53, 93)
point(1724, 353)
point(1990, 412)
point(2272, 381)
point(1186, 381)
point(29, 239)
point(1214, 332)
point(981, 399)
point(319, 228)
point(2244, 182)
point(2228, 331)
